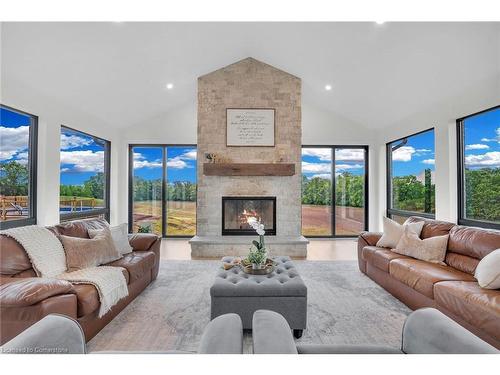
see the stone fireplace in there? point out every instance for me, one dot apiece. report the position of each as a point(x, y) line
point(236, 211)
point(268, 172)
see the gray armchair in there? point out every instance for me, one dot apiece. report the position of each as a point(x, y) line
point(426, 331)
point(59, 334)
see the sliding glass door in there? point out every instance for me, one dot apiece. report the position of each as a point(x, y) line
point(162, 189)
point(334, 176)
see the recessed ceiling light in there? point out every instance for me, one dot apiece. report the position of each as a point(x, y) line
point(379, 22)
point(328, 87)
point(170, 86)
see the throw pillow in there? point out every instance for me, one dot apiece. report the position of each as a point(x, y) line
point(488, 271)
point(119, 233)
point(393, 232)
point(432, 249)
point(84, 253)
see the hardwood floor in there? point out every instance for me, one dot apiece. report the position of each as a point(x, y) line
point(318, 249)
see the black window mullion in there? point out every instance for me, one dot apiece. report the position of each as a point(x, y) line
point(164, 197)
point(334, 195)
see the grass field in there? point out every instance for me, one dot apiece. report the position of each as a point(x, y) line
point(181, 217)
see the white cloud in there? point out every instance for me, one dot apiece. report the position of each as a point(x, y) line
point(496, 139)
point(190, 155)
point(84, 161)
point(72, 141)
point(316, 167)
point(341, 167)
point(347, 154)
point(22, 158)
point(13, 141)
point(477, 146)
point(325, 176)
point(489, 159)
point(423, 150)
point(429, 161)
point(141, 162)
point(177, 163)
point(324, 154)
point(403, 153)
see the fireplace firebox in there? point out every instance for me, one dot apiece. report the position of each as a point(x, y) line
point(237, 210)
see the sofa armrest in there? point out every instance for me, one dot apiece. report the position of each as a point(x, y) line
point(223, 335)
point(143, 241)
point(429, 331)
point(271, 334)
point(370, 238)
point(31, 290)
point(54, 334)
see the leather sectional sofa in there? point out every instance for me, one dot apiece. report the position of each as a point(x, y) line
point(452, 289)
point(25, 298)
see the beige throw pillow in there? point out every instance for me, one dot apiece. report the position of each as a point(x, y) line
point(84, 253)
point(119, 233)
point(488, 271)
point(393, 232)
point(432, 249)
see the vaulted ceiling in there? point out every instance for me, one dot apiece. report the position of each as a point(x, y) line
point(379, 74)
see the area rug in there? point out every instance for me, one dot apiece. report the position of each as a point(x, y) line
point(344, 307)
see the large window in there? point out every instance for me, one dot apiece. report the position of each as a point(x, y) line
point(410, 176)
point(162, 190)
point(18, 154)
point(479, 169)
point(84, 182)
point(334, 190)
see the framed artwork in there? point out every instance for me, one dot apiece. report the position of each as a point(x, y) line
point(250, 127)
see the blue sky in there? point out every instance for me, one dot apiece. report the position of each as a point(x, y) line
point(415, 156)
point(14, 136)
point(317, 162)
point(181, 163)
point(482, 140)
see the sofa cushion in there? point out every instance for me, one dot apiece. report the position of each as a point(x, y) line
point(380, 257)
point(466, 299)
point(87, 299)
point(422, 276)
point(461, 262)
point(78, 228)
point(137, 263)
point(431, 227)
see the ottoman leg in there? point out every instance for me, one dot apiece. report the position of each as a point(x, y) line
point(297, 333)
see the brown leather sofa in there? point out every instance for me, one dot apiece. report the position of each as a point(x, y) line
point(25, 298)
point(451, 289)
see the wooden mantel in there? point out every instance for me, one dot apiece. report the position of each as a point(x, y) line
point(248, 169)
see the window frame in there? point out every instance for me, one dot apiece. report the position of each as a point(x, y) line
point(33, 174)
point(388, 160)
point(107, 183)
point(334, 191)
point(164, 182)
point(461, 217)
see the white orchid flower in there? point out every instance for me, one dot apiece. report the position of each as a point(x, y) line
point(261, 232)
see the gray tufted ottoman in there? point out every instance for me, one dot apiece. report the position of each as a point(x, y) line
point(283, 291)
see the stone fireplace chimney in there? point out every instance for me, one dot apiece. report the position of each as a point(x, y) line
point(249, 84)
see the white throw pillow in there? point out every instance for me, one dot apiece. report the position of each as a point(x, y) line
point(393, 232)
point(119, 233)
point(488, 271)
point(432, 249)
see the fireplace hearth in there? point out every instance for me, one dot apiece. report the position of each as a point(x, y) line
point(236, 211)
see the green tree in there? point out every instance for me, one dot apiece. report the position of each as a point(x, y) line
point(14, 178)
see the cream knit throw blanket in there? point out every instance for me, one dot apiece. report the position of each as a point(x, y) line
point(48, 259)
point(109, 282)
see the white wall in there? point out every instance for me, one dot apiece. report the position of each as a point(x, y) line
point(442, 116)
point(51, 115)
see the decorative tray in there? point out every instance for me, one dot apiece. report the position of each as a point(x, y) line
point(267, 268)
